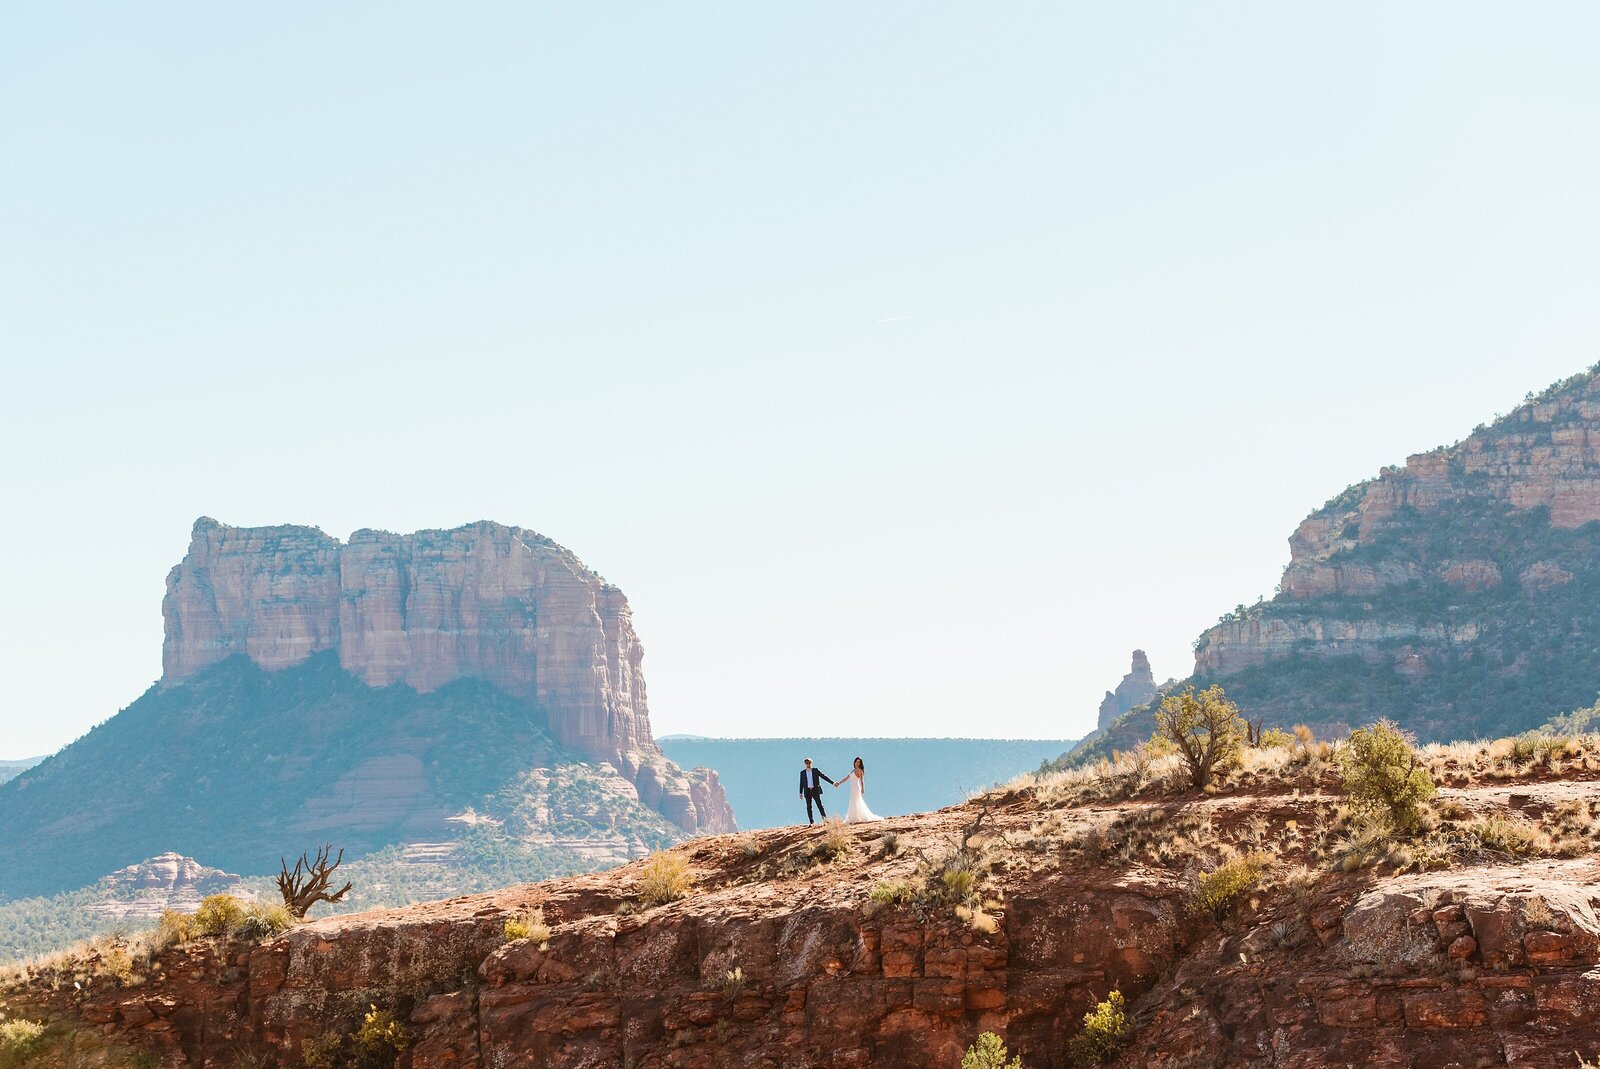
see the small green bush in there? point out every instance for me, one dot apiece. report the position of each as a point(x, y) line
point(20, 1040)
point(380, 1040)
point(664, 878)
point(1383, 775)
point(1511, 836)
point(322, 1052)
point(1276, 738)
point(1106, 1030)
point(1216, 891)
point(989, 1052)
point(219, 915)
point(892, 893)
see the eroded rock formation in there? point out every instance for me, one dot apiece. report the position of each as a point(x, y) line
point(1136, 688)
point(485, 601)
point(1440, 581)
point(499, 604)
point(167, 881)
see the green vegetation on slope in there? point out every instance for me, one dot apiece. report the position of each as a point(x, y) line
point(240, 765)
point(1534, 650)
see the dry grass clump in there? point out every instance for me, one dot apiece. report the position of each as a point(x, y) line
point(834, 843)
point(733, 983)
point(224, 915)
point(1509, 836)
point(1533, 753)
point(664, 877)
point(886, 893)
point(529, 924)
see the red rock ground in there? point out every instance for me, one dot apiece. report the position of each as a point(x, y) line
point(1487, 962)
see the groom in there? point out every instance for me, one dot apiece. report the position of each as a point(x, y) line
point(811, 790)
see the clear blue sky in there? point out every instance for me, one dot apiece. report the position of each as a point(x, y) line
point(907, 364)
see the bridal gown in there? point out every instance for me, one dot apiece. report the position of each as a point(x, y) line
point(859, 813)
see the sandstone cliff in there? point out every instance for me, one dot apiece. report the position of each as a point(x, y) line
point(1457, 593)
point(1488, 960)
point(499, 604)
point(484, 601)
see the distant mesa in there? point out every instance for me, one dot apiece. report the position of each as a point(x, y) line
point(370, 693)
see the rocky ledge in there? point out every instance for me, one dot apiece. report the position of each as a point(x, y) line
point(815, 947)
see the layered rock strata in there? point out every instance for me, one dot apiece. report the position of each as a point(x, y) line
point(1469, 566)
point(166, 881)
point(500, 604)
point(765, 964)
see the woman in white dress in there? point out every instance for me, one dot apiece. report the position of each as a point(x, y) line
point(858, 813)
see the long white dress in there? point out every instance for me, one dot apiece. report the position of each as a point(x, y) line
point(858, 813)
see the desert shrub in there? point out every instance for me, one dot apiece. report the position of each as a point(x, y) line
point(978, 918)
point(665, 877)
point(887, 893)
point(1511, 836)
point(834, 842)
point(1206, 729)
point(116, 963)
point(219, 915)
point(889, 843)
point(380, 1039)
point(262, 920)
point(1106, 1030)
point(376, 1044)
point(323, 1052)
point(173, 929)
point(989, 1052)
point(1382, 774)
point(528, 924)
point(1215, 892)
point(20, 1040)
point(1276, 739)
point(1370, 840)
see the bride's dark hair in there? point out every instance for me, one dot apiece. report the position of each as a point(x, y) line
point(862, 765)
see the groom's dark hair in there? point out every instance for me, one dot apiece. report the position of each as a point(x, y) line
point(808, 760)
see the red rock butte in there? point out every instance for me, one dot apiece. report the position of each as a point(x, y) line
point(501, 604)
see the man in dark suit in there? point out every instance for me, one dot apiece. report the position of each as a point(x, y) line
point(811, 790)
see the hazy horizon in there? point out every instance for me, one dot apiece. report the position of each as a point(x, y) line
point(906, 367)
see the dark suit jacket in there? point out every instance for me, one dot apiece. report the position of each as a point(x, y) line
point(807, 773)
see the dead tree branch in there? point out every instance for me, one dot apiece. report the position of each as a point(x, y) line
point(308, 883)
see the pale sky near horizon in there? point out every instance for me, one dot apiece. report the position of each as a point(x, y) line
point(906, 364)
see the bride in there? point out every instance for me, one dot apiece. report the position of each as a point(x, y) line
point(859, 813)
